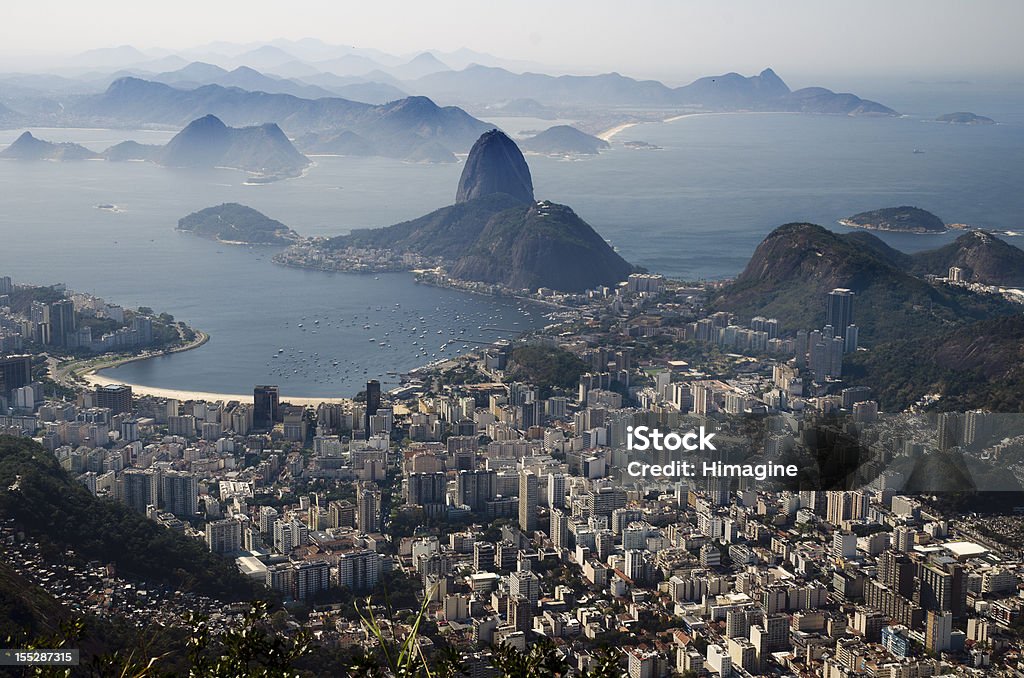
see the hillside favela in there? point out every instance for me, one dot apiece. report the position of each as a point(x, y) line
point(421, 340)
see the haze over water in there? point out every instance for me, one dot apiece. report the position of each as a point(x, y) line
point(695, 209)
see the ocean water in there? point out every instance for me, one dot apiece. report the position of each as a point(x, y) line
point(694, 209)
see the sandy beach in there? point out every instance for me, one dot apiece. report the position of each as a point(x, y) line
point(90, 375)
point(609, 133)
point(98, 380)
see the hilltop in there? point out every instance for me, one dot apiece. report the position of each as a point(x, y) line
point(985, 259)
point(909, 326)
point(495, 165)
point(28, 147)
point(237, 224)
point(796, 265)
point(208, 142)
point(564, 140)
point(496, 233)
point(132, 150)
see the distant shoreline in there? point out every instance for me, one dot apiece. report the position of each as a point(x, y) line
point(913, 231)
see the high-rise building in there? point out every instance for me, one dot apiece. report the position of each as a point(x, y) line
point(942, 587)
point(62, 322)
point(372, 404)
point(289, 535)
point(604, 500)
point(475, 488)
point(844, 544)
point(267, 517)
point(359, 570)
point(281, 578)
point(15, 372)
point(950, 425)
point(851, 339)
point(368, 508)
point(179, 493)
point(140, 488)
point(559, 530)
point(556, 490)
point(938, 631)
point(483, 556)
point(311, 578)
point(224, 536)
point(116, 397)
point(528, 501)
point(525, 583)
point(427, 490)
point(266, 407)
point(839, 310)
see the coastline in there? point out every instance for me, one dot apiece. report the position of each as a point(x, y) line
point(863, 227)
point(609, 133)
point(183, 395)
point(91, 376)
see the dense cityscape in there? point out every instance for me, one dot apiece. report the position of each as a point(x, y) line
point(498, 498)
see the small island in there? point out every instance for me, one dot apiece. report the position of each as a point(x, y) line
point(965, 118)
point(641, 146)
point(564, 140)
point(235, 224)
point(28, 147)
point(904, 219)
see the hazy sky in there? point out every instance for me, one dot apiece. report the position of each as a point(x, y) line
point(672, 39)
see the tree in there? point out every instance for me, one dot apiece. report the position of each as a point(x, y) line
point(542, 661)
point(251, 650)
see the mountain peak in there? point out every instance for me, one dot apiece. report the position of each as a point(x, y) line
point(495, 165)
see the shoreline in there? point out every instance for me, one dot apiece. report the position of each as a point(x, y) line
point(91, 376)
point(611, 132)
point(185, 395)
point(851, 224)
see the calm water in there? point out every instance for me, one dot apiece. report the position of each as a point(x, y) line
point(695, 209)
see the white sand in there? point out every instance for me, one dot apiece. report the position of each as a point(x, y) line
point(97, 380)
point(609, 133)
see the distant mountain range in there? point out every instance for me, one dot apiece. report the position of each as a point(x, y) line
point(496, 233)
point(731, 91)
point(397, 129)
point(198, 74)
point(263, 150)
